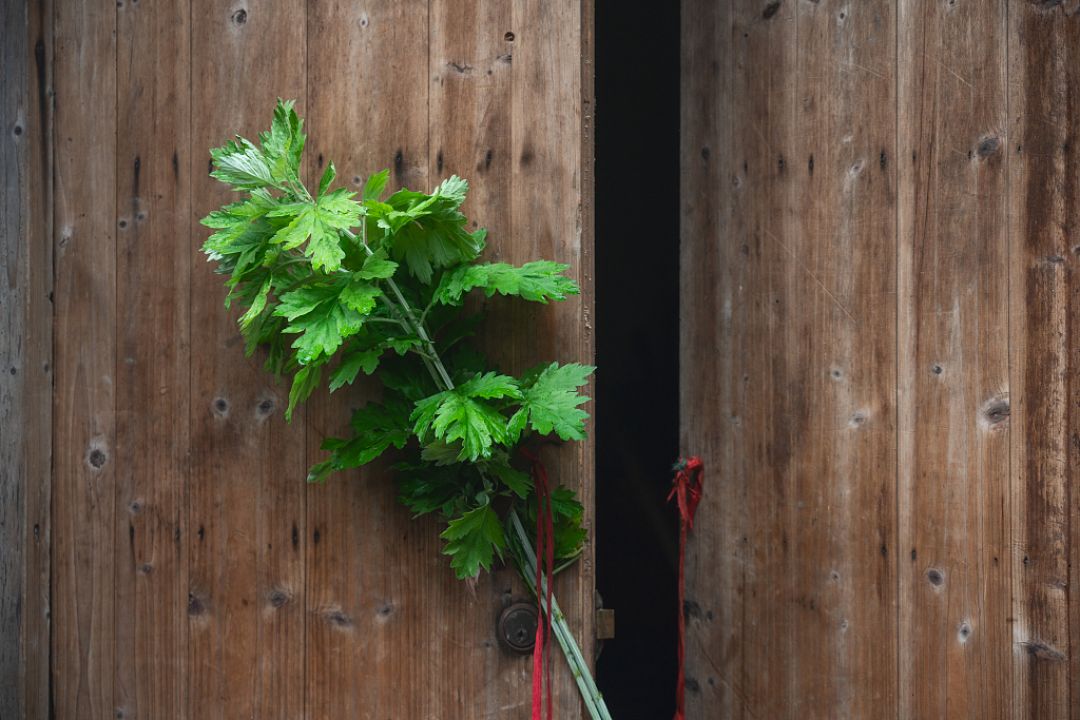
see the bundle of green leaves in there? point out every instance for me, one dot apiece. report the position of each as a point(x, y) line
point(333, 285)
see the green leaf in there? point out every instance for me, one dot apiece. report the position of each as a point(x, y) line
point(429, 488)
point(376, 427)
point(427, 232)
point(241, 164)
point(375, 185)
point(517, 481)
point(461, 414)
point(490, 386)
point(355, 361)
point(537, 281)
point(304, 383)
point(258, 304)
point(323, 330)
point(475, 423)
point(473, 540)
point(283, 145)
point(553, 401)
point(327, 177)
point(377, 267)
point(439, 453)
point(319, 224)
point(360, 296)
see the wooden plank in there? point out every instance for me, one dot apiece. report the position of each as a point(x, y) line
point(38, 404)
point(713, 316)
point(1044, 323)
point(374, 628)
point(551, 104)
point(14, 299)
point(25, 356)
point(953, 383)
point(246, 511)
point(154, 224)
point(841, 272)
point(763, 88)
point(797, 413)
point(85, 321)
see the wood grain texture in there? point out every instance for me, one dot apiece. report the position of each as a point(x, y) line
point(714, 305)
point(1044, 331)
point(955, 639)
point(25, 356)
point(842, 264)
point(14, 299)
point(551, 156)
point(154, 224)
point(370, 570)
point(246, 521)
point(796, 417)
point(37, 423)
point(85, 465)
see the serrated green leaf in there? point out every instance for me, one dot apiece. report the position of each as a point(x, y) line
point(427, 232)
point(475, 423)
point(453, 415)
point(360, 296)
point(377, 267)
point(355, 361)
point(538, 281)
point(426, 488)
point(376, 427)
point(517, 481)
point(375, 185)
point(439, 453)
point(319, 224)
point(490, 386)
point(303, 300)
point(242, 165)
point(553, 401)
point(304, 383)
point(327, 177)
point(283, 144)
point(323, 330)
point(258, 304)
point(473, 540)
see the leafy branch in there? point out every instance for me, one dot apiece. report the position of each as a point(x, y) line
point(333, 285)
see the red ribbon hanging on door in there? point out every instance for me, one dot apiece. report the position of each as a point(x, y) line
point(686, 489)
point(545, 567)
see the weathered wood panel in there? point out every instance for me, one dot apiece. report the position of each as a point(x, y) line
point(953, 394)
point(935, 212)
point(714, 307)
point(246, 522)
point(25, 356)
point(1044, 340)
point(841, 275)
point(153, 269)
point(85, 465)
point(369, 609)
point(789, 358)
point(196, 574)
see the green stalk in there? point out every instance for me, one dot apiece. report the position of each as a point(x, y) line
point(594, 702)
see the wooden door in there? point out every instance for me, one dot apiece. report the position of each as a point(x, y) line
point(879, 361)
point(173, 563)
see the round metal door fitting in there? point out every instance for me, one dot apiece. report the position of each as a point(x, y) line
point(516, 627)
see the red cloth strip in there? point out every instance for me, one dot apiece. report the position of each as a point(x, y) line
point(686, 489)
point(545, 566)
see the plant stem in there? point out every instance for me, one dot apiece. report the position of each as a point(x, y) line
point(594, 701)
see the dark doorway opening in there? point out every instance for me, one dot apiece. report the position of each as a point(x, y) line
point(637, 429)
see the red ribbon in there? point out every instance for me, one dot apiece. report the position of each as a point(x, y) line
point(545, 565)
point(686, 489)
